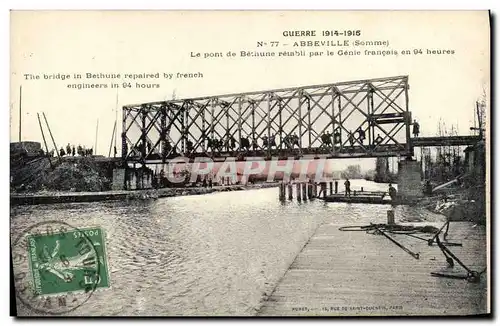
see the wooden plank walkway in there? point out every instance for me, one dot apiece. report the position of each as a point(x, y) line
point(363, 199)
point(360, 274)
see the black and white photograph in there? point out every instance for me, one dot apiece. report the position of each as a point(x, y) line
point(250, 163)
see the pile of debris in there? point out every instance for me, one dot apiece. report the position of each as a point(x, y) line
point(83, 175)
point(458, 209)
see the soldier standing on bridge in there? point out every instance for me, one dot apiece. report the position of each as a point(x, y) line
point(295, 140)
point(351, 140)
point(361, 135)
point(233, 142)
point(416, 128)
point(329, 139)
point(265, 141)
point(336, 137)
point(189, 146)
point(255, 145)
point(272, 141)
point(326, 139)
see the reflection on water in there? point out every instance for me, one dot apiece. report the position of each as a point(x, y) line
point(200, 255)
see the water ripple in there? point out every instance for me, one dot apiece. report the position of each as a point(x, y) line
point(216, 254)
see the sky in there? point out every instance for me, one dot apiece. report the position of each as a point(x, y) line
point(442, 87)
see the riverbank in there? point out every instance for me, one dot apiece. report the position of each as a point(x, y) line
point(52, 197)
point(458, 204)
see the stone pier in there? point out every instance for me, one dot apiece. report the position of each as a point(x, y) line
point(409, 184)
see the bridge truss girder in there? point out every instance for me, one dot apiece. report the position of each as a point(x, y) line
point(379, 107)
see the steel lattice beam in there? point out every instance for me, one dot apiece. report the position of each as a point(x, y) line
point(210, 126)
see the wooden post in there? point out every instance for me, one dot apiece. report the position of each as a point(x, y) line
point(336, 187)
point(315, 190)
point(45, 143)
point(290, 191)
point(331, 188)
point(323, 189)
point(304, 191)
point(390, 217)
point(96, 133)
point(52, 137)
point(282, 192)
point(298, 192)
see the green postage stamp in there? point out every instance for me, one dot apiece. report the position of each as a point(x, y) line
point(68, 261)
point(58, 267)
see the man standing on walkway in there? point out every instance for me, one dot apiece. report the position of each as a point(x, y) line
point(347, 185)
point(392, 192)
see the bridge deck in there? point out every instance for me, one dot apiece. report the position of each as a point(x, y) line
point(306, 153)
point(386, 150)
point(444, 141)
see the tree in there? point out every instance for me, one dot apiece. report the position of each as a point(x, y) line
point(352, 172)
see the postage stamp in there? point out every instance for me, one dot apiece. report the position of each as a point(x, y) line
point(322, 162)
point(58, 267)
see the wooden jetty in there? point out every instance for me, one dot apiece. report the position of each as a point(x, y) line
point(359, 274)
point(328, 191)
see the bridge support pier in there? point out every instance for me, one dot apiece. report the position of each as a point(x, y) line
point(336, 187)
point(118, 179)
point(290, 191)
point(304, 190)
point(298, 192)
point(331, 188)
point(409, 186)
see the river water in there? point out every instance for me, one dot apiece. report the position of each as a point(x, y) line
point(214, 254)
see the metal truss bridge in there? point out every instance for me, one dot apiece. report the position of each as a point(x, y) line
point(355, 119)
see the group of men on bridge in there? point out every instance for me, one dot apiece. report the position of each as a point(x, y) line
point(214, 144)
point(330, 140)
point(289, 141)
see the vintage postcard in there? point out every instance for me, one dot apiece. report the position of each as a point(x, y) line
point(250, 163)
